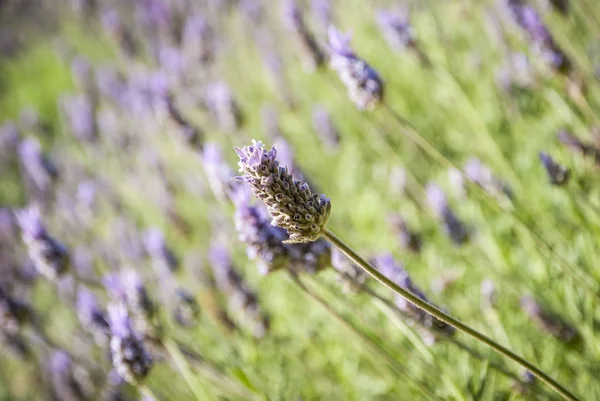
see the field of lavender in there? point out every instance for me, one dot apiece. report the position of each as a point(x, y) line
point(453, 145)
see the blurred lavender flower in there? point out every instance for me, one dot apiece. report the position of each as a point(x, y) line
point(37, 168)
point(9, 140)
point(365, 88)
point(351, 276)
point(129, 355)
point(539, 35)
point(399, 33)
point(438, 203)
point(217, 171)
point(408, 240)
point(575, 144)
point(193, 135)
point(312, 54)
point(324, 127)
point(197, 39)
point(128, 288)
point(91, 316)
point(557, 173)
point(187, 310)
point(322, 12)
point(64, 383)
point(290, 203)
point(516, 72)
point(162, 257)
point(239, 295)
point(50, 257)
point(219, 99)
point(482, 175)
point(548, 321)
point(78, 114)
point(395, 272)
point(13, 313)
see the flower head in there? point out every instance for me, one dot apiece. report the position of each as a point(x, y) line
point(290, 203)
point(557, 173)
point(365, 88)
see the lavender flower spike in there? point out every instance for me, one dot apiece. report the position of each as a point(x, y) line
point(365, 88)
point(129, 356)
point(557, 173)
point(50, 257)
point(290, 203)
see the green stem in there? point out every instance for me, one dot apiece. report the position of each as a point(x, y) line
point(441, 315)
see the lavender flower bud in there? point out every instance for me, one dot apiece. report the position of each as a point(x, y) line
point(129, 355)
point(239, 295)
point(37, 167)
point(324, 127)
point(290, 203)
point(481, 175)
point(187, 310)
point(220, 101)
point(539, 35)
point(13, 313)
point(265, 242)
point(217, 171)
point(162, 257)
point(408, 240)
point(351, 276)
point(365, 88)
point(65, 385)
point(128, 287)
point(395, 272)
point(78, 114)
point(557, 173)
point(91, 316)
point(314, 56)
point(548, 321)
point(396, 29)
point(51, 258)
point(575, 144)
point(438, 203)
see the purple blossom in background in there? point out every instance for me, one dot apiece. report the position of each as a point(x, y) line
point(575, 144)
point(324, 127)
point(548, 321)
point(321, 9)
point(557, 173)
point(407, 239)
point(90, 314)
point(438, 203)
point(78, 114)
point(81, 70)
point(162, 257)
point(539, 35)
point(197, 40)
point(129, 355)
point(482, 175)
point(13, 313)
point(311, 51)
point(364, 86)
point(36, 167)
point(219, 99)
point(64, 383)
point(395, 272)
point(50, 257)
point(396, 28)
point(239, 295)
point(218, 172)
point(264, 242)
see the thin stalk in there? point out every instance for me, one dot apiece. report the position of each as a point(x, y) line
point(443, 316)
point(370, 343)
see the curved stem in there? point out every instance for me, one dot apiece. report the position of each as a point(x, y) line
point(441, 315)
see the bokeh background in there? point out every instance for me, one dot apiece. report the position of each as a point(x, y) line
point(117, 122)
